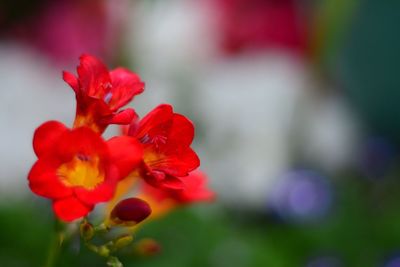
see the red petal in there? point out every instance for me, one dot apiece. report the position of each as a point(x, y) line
point(103, 192)
point(159, 179)
point(125, 85)
point(124, 117)
point(195, 188)
point(93, 75)
point(182, 132)
point(71, 80)
point(69, 209)
point(46, 135)
point(156, 123)
point(133, 127)
point(171, 182)
point(82, 140)
point(179, 164)
point(43, 180)
point(126, 153)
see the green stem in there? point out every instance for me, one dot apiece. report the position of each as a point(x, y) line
point(55, 246)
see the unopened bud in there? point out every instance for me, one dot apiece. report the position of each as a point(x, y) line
point(130, 211)
point(147, 247)
point(123, 241)
point(86, 230)
point(103, 251)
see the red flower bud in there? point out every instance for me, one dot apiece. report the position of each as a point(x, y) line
point(130, 211)
point(147, 247)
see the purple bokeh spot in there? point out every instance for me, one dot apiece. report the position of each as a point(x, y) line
point(395, 262)
point(301, 195)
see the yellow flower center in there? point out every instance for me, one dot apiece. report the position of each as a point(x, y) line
point(81, 171)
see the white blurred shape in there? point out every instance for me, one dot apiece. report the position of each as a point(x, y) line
point(166, 35)
point(32, 92)
point(327, 132)
point(169, 42)
point(248, 104)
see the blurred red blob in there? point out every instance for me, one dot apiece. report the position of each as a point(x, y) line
point(63, 29)
point(147, 247)
point(261, 24)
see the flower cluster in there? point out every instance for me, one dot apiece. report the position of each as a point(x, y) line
point(77, 168)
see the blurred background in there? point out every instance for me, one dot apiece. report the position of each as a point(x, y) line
point(297, 123)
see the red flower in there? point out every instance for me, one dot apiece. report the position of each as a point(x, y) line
point(100, 93)
point(162, 200)
point(77, 168)
point(166, 137)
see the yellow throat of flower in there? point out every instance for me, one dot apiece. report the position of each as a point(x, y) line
point(82, 170)
point(88, 121)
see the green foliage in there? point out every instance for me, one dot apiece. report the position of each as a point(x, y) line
point(362, 230)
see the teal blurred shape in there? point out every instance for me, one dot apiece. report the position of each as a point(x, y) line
point(368, 65)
